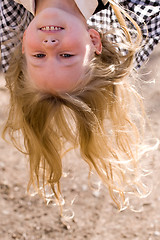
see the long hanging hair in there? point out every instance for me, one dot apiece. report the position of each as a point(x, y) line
point(100, 117)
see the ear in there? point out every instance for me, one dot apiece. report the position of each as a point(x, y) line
point(96, 40)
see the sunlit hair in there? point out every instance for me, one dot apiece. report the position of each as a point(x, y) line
point(99, 118)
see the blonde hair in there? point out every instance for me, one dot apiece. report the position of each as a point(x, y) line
point(97, 118)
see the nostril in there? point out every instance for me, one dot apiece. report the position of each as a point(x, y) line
point(51, 41)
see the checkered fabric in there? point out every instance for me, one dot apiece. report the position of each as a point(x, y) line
point(145, 12)
point(15, 18)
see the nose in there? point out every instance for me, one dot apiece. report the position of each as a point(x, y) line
point(50, 42)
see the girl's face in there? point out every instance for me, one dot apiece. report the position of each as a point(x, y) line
point(57, 47)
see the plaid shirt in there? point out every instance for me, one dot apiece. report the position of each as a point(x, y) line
point(15, 18)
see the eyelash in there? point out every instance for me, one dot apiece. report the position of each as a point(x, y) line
point(39, 55)
point(65, 55)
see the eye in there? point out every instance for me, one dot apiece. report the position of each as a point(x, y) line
point(39, 55)
point(66, 55)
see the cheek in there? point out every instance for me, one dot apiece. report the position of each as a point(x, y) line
point(78, 38)
point(30, 40)
point(30, 45)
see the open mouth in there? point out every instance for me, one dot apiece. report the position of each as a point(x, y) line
point(51, 28)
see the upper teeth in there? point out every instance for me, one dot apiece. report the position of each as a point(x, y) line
point(50, 28)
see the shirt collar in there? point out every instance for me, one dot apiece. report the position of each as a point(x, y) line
point(87, 7)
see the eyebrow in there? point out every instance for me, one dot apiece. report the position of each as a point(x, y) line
point(41, 65)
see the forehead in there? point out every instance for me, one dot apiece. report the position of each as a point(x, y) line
point(56, 79)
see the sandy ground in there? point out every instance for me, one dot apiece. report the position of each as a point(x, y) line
point(27, 218)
